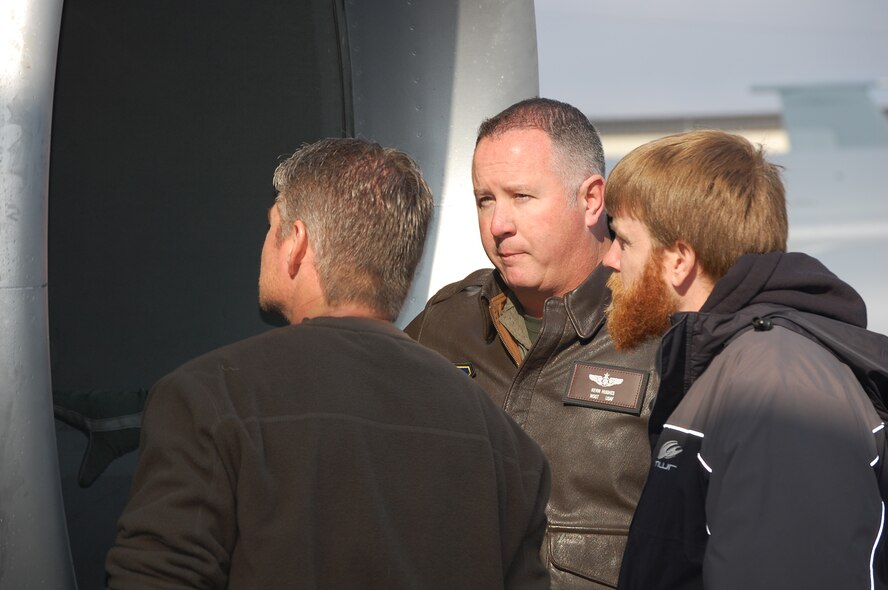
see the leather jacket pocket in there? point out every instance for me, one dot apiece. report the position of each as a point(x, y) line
point(592, 556)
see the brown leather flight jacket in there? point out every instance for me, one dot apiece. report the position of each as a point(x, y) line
point(586, 404)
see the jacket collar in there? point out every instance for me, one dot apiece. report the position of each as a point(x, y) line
point(585, 305)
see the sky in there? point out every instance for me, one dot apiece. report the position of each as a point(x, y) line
point(633, 59)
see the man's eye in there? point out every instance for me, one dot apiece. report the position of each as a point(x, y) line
point(522, 196)
point(483, 201)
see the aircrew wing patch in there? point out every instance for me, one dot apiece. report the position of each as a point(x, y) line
point(617, 389)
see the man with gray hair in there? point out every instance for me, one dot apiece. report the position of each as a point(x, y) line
point(532, 331)
point(335, 452)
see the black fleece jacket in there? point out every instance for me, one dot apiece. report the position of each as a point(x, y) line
point(767, 463)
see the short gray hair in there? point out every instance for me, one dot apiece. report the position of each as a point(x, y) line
point(367, 211)
point(575, 140)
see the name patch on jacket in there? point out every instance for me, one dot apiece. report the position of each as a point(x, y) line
point(605, 387)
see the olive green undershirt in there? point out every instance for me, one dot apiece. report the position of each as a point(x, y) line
point(524, 328)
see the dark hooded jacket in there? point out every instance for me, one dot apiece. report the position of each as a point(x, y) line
point(767, 467)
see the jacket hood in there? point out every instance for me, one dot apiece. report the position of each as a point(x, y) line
point(793, 280)
point(758, 285)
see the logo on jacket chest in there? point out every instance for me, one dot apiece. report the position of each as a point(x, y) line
point(617, 389)
point(669, 450)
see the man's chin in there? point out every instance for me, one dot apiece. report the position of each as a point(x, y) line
point(628, 333)
point(640, 312)
point(269, 307)
point(517, 277)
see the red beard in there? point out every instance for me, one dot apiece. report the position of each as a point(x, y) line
point(641, 311)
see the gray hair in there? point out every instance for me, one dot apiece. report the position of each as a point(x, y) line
point(367, 211)
point(575, 141)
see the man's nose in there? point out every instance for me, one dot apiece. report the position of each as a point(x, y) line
point(612, 258)
point(502, 222)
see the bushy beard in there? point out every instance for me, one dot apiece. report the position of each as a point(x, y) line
point(641, 311)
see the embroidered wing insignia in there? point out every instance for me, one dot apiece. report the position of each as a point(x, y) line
point(605, 380)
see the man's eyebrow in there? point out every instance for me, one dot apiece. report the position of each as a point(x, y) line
point(616, 232)
point(514, 189)
point(524, 189)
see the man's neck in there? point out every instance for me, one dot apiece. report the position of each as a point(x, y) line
point(321, 309)
point(533, 302)
point(695, 295)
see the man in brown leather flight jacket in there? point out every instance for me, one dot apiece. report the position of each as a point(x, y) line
point(532, 332)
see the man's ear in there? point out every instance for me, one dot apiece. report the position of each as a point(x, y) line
point(680, 265)
point(297, 246)
point(591, 195)
point(684, 272)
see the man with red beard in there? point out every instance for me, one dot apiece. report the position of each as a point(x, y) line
point(768, 469)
